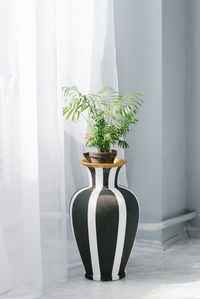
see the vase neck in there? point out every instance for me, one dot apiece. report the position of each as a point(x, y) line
point(103, 177)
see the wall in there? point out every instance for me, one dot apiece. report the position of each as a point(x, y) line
point(139, 62)
point(193, 107)
point(173, 111)
point(151, 58)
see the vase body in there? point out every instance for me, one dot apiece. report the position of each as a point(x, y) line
point(104, 219)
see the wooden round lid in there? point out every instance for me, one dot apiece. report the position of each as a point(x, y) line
point(117, 163)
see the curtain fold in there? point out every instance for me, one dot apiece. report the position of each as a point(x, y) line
point(32, 191)
point(19, 195)
point(87, 60)
point(50, 146)
point(45, 45)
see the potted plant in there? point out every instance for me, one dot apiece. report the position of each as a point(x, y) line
point(104, 216)
point(109, 117)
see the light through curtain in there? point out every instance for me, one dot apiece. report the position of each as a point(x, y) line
point(87, 60)
point(32, 194)
point(45, 45)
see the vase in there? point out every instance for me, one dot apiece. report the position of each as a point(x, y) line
point(104, 218)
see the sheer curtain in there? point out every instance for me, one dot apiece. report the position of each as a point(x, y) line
point(45, 45)
point(87, 60)
point(32, 191)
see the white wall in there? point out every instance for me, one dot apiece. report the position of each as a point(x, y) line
point(174, 111)
point(151, 57)
point(193, 106)
point(139, 62)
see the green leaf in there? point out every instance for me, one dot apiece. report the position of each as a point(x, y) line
point(110, 114)
point(69, 114)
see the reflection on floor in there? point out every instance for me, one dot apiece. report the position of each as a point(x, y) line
point(151, 274)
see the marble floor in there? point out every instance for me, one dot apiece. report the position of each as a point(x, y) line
point(152, 273)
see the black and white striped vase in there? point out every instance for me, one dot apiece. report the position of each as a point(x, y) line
point(104, 218)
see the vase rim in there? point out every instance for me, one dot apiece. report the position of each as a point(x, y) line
point(117, 163)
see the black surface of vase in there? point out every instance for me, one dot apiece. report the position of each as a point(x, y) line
point(104, 218)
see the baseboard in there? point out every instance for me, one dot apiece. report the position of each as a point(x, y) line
point(193, 232)
point(168, 243)
point(159, 245)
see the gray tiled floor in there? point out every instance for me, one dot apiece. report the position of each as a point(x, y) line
point(151, 274)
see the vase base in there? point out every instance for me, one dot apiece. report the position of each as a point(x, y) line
point(105, 278)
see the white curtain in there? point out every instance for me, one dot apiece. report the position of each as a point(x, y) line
point(44, 45)
point(87, 52)
point(32, 194)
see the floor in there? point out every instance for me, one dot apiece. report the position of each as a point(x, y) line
point(152, 273)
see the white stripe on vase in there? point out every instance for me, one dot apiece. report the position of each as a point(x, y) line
point(92, 232)
point(99, 177)
point(121, 225)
